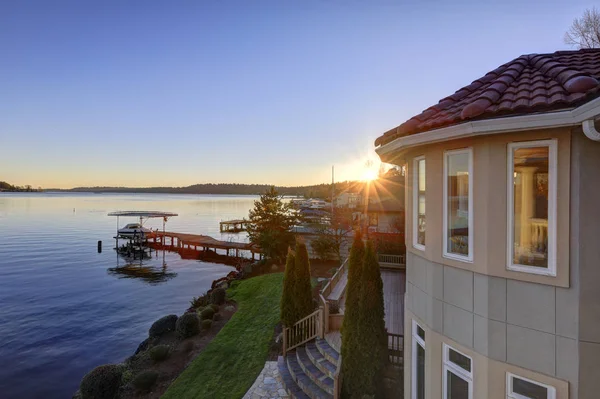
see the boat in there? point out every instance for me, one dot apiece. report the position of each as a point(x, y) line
point(133, 230)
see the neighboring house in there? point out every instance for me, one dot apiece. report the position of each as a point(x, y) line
point(348, 200)
point(502, 234)
point(386, 216)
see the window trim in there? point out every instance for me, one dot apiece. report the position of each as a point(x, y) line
point(512, 395)
point(552, 209)
point(446, 254)
point(415, 212)
point(449, 366)
point(416, 340)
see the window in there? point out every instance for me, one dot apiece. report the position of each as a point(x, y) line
point(458, 374)
point(523, 388)
point(532, 207)
point(418, 362)
point(419, 203)
point(458, 209)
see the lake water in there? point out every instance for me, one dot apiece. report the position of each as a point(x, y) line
point(63, 307)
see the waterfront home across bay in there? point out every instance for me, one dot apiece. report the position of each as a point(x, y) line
point(502, 229)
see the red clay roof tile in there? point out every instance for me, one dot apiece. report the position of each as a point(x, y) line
point(527, 84)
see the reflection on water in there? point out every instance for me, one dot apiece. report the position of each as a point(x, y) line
point(65, 308)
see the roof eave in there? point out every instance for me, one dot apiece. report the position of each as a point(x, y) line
point(571, 117)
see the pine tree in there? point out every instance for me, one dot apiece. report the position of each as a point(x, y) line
point(271, 221)
point(289, 313)
point(304, 301)
point(373, 336)
point(351, 353)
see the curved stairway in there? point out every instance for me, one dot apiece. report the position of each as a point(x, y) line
point(307, 371)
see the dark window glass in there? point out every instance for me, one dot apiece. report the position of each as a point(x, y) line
point(529, 390)
point(456, 387)
point(459, 359)
point(421, 333)
point(420, 372)
point(420, 205)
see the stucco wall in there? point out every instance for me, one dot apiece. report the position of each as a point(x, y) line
point(509, 321)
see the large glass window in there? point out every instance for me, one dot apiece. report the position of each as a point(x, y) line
point(419, 204)
point(458, 208)
point(531, 206)
point(458, 374)
point(418, 362)
point(523, 388)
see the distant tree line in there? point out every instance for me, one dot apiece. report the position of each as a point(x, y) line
point(4, 186)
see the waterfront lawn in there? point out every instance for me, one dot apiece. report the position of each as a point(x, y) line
point(228, 366)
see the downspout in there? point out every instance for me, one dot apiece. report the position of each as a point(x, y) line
point(589, 128)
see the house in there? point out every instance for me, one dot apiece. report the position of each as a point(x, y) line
point(386, 216)
point(502, 230)
point(348, 200)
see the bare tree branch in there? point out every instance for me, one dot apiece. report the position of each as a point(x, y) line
point(585, 31)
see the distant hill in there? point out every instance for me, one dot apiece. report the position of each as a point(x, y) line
point(4, 186)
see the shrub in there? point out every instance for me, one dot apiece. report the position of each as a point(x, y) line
point(163, 326)
point(207, 313)
point(288, 312)
point(103, 382)
point(217, 317)
point(200, 301)
point(145, 380)
point(159, 353)
point(217, 296)
point(127, 376)
point(215, 307)
point(303, 289)
point(206, 324)
point(188, 325)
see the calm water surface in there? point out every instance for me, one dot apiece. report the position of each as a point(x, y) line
point(64, 309)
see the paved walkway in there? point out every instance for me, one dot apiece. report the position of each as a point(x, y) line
point(267, 384)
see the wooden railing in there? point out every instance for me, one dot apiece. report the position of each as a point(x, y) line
point(395, 348)
point(303, 331)
point(394, 259)
point(334, 279)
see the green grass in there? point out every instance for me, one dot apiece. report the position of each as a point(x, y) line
point(228, 366)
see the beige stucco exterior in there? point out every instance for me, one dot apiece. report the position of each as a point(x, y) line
point(489, 203)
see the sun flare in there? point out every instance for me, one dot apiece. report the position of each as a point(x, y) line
point(369, 175)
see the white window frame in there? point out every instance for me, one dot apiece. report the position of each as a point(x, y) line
point(512, 395)
point(552, 212)
point(446, 254)
point(415, 341)
point(455, 369)
point(416, 244)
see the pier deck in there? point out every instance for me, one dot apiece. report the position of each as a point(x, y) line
point(200, 242)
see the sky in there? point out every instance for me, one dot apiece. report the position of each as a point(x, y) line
point(173, 93)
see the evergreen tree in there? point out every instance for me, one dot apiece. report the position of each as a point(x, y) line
point(373, 336)
point(304, 301)
point(270, 226)
point(289, 313)
point(351, 353)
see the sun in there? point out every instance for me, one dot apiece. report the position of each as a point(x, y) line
point(369, 175)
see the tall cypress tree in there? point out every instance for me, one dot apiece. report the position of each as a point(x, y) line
point(373, 336)
point(304, 301)
point(289, 312)
point(351, 353)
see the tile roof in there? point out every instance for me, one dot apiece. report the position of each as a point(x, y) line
point(528, 84)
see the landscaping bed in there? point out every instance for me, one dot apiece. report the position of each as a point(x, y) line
point(230, 363)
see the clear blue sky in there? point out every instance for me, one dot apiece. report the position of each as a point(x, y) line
point(173, 93)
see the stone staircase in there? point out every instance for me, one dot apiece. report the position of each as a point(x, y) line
point(308, 371)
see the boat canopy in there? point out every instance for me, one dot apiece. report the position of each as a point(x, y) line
point(144, 214)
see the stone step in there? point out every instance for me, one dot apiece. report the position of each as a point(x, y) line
point(288, 381)
point(313, 372)
point(319, 360)
point(304, 382)
point(327, 351)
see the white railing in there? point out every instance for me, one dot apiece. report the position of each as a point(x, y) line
point(303, 331)
point(393, 259)
point(539, 235)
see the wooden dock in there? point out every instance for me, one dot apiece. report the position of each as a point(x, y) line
point(233, 226)
point(198, 242)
